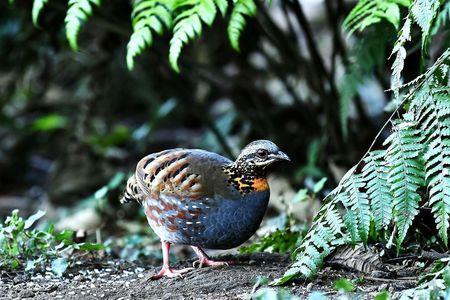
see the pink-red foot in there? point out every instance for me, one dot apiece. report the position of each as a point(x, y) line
point(206, 262)
point(169, 272)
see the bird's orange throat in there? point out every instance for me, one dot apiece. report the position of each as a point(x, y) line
point(248, 184)
point(260, 184)
point(246, 181)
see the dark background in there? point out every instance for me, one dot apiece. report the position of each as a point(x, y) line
point(72, 121)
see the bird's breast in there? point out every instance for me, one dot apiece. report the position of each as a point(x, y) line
point(260, 184)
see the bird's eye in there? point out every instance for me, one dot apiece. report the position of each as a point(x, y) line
point(262, 153)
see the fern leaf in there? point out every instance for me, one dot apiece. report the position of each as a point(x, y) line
point(222, 5)
point(374, 173)
point(359, 203)
point(400, 55)
point(435, 128)
point(323, 237)
point(147, 16)
point(38, 6)
point(188, 24)
point(77, 14)
point(406, 174)
point(424, 12)
point(242, 9)
point(369, 12)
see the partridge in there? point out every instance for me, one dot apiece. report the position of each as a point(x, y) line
point(202, 199)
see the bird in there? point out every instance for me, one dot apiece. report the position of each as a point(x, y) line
point(202, 199)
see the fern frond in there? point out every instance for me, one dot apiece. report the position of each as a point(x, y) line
point(369, 12)
point(424, 12)
point(77, 14)
point(241, 9)
point(400, 55)
point(147, 16)
point(326, 233)
point(38, 6)
point(374, 173)
point(188, 25)
point(435, 128)
point(358, 203)
point(406, 174)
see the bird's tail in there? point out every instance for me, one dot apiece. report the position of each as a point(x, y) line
point(131, 191)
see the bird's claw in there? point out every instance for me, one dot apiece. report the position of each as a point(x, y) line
point(170, 273)
point(210, 263)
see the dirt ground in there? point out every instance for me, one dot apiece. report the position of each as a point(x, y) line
point(116, 279)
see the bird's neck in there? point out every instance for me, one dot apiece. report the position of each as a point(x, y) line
point(246, 178)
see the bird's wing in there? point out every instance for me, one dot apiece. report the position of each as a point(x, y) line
point(178, 173)
point(179, 186)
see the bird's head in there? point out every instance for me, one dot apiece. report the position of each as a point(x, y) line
point(259, 155)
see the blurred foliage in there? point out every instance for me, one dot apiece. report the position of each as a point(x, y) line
point(343, 285)
point(273, 294)
point(279, 241)
point(24, 247)
point(434, 284)
point(134, 247)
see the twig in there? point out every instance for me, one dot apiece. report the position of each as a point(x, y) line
point(399, 279)
point(433, 255)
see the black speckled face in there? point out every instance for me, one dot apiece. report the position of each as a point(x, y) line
point(248, 172)
point(258, 155)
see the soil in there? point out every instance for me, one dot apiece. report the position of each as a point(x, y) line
point(115, 279)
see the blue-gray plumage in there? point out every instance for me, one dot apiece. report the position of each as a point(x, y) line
point(198, 198)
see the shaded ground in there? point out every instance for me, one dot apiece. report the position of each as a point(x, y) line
point(121, 280)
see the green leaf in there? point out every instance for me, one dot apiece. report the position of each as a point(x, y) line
point(65, 236)
point(241, 10)
point(116, 181)
point(188, 25)
point(301, 195)
point(406, 174)
point(33, 218)
point(59, 266)
point(77, 15)
point(101, 193)
point(31, 265)
point(38, 6)
point(319, 185)
point(383, 295)
point(49, 123)
point(369, 12)
point(344, 285)
point(148, 17)
point(91, 246)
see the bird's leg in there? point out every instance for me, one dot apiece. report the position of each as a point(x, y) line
point(204, 259)
point(166, 270)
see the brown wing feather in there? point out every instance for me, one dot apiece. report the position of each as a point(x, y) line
point(169, 172)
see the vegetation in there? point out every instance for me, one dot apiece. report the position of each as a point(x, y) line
point(279, 82)
point(388, 188)
point(32, 250)
point(184, 18)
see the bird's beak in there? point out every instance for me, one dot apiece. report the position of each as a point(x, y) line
point(282, 156)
